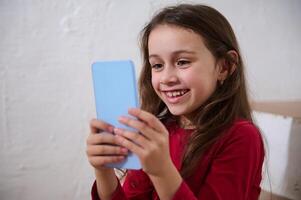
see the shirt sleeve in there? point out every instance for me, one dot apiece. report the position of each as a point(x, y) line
point(233, 171)
point(137, 185)
point(117, 195)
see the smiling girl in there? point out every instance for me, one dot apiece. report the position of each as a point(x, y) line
point(196, 136)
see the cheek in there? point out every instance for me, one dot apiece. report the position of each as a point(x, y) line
point(206, 87)
point(203, 85)
point(156, 85)
point(155, 82)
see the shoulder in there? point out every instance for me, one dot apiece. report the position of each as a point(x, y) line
point(243, 130)
point(242, 136)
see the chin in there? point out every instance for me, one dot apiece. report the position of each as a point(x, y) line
point(181, 110)
point(177, 112)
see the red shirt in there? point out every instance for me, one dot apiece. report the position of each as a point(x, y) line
point(229, 170)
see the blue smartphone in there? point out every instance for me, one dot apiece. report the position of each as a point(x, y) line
point(115, 92)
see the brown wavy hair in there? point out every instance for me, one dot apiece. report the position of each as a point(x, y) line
point(228, 102)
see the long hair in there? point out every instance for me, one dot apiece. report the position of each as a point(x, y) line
point(227, 103)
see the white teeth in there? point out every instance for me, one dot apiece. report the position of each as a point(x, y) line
point(175, 94)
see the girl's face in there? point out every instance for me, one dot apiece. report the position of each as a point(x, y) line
point(184, 72)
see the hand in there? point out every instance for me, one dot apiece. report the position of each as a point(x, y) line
point(102, 146)
point(150, 144)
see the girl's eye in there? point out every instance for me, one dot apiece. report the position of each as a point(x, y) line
point(157, 66)
point(182, 62)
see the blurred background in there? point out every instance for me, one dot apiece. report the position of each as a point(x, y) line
point(46, 94)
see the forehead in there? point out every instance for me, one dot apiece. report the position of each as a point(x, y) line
point(167, 38)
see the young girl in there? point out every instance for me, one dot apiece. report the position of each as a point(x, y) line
point(196, 136)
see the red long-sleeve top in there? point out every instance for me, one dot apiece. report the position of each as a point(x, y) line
point(229, 170)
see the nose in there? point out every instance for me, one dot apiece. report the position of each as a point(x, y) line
point(168, 75)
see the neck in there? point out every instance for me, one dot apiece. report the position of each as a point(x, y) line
point(185, 123)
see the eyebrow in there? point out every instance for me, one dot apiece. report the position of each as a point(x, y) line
point(175, 52)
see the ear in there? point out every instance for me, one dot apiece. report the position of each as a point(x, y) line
point(227, 66)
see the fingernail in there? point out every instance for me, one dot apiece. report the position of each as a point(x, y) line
point(117, 131)
point(132, 110)
point(124, 150)
point(111, 129)
point(121, 118)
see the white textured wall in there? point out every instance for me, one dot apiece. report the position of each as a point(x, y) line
point(46, 99)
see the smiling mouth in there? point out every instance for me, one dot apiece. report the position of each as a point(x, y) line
point(175, 93)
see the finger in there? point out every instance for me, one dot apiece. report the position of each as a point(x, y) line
point(130, 145)
point(143, 128)
point(102, 150)
point(97, 126)
point(100, 161)
point(137, 138)
point(148, 118)
point(102, 138)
